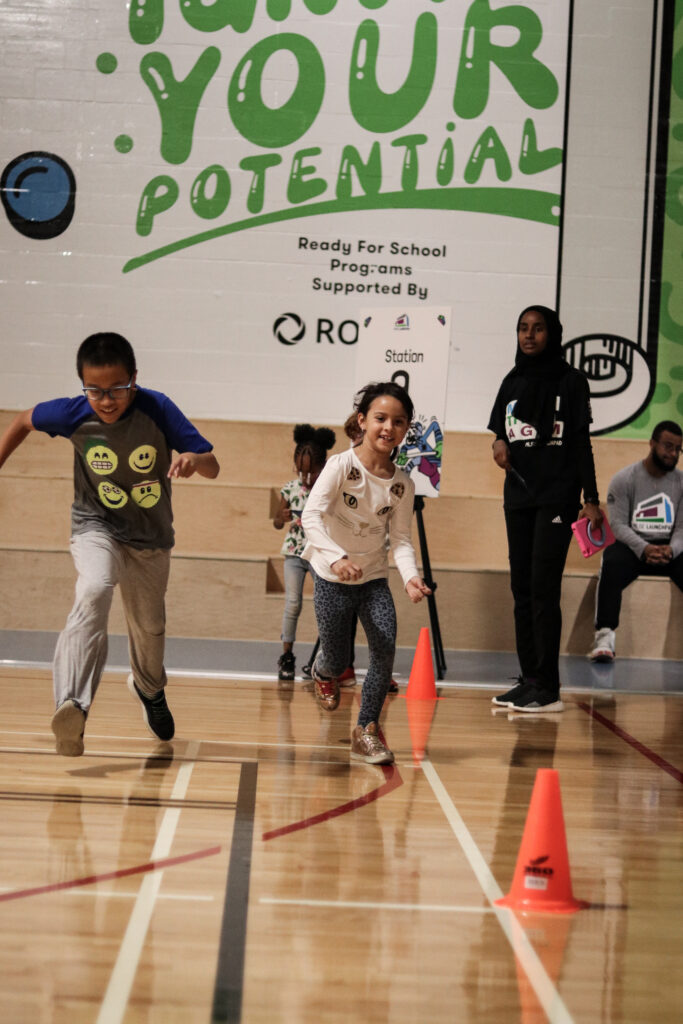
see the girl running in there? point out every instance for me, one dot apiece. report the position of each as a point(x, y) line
point(358, 499)
point(310, 454)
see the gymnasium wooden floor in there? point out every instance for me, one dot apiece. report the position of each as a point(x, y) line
point(250, 873)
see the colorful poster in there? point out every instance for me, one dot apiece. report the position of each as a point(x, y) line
point(229, 183)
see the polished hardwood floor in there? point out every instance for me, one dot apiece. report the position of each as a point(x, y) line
point(249, 872)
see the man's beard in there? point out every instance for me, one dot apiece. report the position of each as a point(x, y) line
point(660, 464)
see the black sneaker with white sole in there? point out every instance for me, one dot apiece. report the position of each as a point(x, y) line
point(532, 699)
point(155, 712)
point(506, 700)
point(286, 666)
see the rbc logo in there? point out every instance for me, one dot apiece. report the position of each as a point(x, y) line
point(289, 329)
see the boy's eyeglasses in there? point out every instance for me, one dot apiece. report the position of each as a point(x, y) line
point(115, 393)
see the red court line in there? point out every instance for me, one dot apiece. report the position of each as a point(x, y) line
point(632, 741)
point(392, 780)
point(140, 869)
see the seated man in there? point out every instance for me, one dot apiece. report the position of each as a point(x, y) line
point(645, 510)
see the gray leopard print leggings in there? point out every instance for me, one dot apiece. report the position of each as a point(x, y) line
point(335, 604)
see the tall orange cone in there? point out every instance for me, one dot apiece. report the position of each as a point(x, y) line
point(541, 881)
point(421, 695)
point(421, 685)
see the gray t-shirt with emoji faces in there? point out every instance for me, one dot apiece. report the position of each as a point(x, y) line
point(121, 480)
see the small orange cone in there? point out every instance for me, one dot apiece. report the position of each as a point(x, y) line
point(420, 714)
point(541, 881)
point(421, 685)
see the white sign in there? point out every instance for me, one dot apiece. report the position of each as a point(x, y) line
point(410, 345)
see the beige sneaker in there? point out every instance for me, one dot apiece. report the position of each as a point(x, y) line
point(68, 725)
point(367, 746)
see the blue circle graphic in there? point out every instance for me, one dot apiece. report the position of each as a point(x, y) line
point(38, 192)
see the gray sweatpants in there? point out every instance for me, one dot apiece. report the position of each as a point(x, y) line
point(102, 562)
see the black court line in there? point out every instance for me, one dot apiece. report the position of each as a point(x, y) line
point(227, 997)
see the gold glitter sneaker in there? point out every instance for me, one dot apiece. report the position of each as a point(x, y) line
point(326, 690)
point(367, 746)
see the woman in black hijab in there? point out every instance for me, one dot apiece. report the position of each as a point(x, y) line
point(541, 419)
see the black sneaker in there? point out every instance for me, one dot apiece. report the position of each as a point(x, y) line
point(306, 671)
point(155, 712)
point(507, 699)
point(532, 699)
point(285, 664)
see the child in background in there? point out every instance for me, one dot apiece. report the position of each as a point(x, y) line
point(121, 526)
point(357, 494)
point(310, 455)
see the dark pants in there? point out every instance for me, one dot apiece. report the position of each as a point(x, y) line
point(620, 567)
point(337, 606)
point(537, 549)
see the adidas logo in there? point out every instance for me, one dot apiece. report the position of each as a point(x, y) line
point(557, 519)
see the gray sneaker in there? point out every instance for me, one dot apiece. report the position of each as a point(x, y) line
point(68, 725)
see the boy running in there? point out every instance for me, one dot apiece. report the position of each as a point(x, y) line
point(121, 526)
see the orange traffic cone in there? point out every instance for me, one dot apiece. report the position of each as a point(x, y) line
point(420, 714)
point(541, 881)
point(421, 685)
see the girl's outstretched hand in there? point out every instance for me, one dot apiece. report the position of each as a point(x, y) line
point(416, 589)
point(346, 571)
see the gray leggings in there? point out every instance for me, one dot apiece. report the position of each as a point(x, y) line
point(335, 605)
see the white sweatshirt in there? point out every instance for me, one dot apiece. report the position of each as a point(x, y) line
point(348, 513)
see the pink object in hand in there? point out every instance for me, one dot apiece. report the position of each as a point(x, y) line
point(589, 540)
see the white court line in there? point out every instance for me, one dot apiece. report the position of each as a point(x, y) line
point(110, 894)
point(122, 977)
point(545, 990)
point(230, 675)
point(113, 895)
point(439, 908)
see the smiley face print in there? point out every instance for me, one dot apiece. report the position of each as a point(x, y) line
point(146, 494)
point(101, 459)
point(111, 496)
point(143, 458)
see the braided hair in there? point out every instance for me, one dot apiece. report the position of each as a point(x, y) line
point(312, 446)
